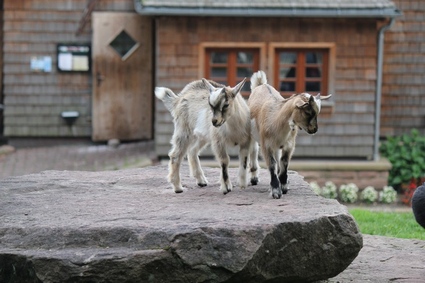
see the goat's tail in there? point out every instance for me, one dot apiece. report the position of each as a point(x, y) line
point(258, 78)
point(167, 96)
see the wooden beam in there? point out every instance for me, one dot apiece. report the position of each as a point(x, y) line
point(86, 16)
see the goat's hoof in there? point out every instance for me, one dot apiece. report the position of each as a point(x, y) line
point(276, 193)
point(202, 184)
point(178, 190)
point(284, 189)
point(254, 181)
point(243, 185)
point(226, 189)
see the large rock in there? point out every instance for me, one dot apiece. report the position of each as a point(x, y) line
point(129, 226)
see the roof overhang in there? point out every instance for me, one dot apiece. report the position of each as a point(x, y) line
point(312, 12)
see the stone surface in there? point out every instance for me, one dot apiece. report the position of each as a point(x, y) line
point(129, 226)
point(385, 259)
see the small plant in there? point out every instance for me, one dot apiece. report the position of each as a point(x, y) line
point(316, 188)
point(409, 189)
point(388, 195)
point(369, 194)
point(348, 193)
point(329, 190)
point(407, 156)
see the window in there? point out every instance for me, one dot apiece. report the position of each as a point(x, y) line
point(301, 70)
point(229, 66)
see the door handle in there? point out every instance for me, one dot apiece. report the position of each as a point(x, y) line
point(99, 78)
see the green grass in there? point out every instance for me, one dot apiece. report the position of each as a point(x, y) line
point(390, 224)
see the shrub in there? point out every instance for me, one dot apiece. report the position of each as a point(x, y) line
point(387, 195)
point(407, 156)
point(369, 194)
point(348, 193)
point(329, 190)
point(316, 188)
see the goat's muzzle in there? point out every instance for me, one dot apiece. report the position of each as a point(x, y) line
point(312, 130)
point(216, 123)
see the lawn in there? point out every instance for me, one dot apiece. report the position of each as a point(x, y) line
point(390, 224)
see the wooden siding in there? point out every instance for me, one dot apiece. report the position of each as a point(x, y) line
point(346, 132)
point(1, 77)
point(403, 91)
point(33, 101)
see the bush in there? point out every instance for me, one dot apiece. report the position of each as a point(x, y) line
point(407, 156)
point(316, 188)
point(387, 195)
point(329, 190)
point(369, 194)
point(348, 193)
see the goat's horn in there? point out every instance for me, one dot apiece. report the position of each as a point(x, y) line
point(325, 97)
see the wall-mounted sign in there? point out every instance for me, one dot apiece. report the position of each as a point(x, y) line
point(74, 57)
point(41, 64)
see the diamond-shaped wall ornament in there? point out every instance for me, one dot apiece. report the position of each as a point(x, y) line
point(124, 44)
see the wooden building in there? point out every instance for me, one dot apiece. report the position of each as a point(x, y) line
point(77, 69)
point(51, 90)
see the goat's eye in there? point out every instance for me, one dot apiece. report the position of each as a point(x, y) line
point(308, 110)
point(225, 106)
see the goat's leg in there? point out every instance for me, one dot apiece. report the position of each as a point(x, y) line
point(194, 163)
point(269, 158)
point(254, 166)
point(243, 165)
point(223, 157)
point(177, 152)
point(283, 173)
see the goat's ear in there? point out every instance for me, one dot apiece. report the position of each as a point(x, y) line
point(301, 104)
point(208, 84)
point(238, 87)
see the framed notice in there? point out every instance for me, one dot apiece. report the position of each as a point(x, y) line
point(41, 64)
point(74, 57)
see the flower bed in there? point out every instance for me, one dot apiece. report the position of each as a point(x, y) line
point(350, 193)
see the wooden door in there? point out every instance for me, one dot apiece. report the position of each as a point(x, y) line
point(122, 103)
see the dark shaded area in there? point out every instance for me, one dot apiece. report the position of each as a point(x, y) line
point(17, 269)
point(418, 205)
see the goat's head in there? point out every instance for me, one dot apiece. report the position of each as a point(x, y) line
point(307, 109)
point(221, 101)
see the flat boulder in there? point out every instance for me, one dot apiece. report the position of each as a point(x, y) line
point(129, 226)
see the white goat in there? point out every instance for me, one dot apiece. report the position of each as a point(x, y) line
point(276, 122)
point(207, 112)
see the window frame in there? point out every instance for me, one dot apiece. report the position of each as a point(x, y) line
point(328, 64)
point(207, 47)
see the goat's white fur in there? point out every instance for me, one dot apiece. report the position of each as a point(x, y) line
point(206, 112)
point(276, 122)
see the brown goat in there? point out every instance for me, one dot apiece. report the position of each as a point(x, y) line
point(276, 123)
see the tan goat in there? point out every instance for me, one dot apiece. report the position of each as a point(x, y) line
point(276, 122)
point(207, 112)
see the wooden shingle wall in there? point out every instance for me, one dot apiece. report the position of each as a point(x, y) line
point(34, 100)
point(403, 100)
point(347, 132)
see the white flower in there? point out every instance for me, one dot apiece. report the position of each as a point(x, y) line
point(369, 194)
point(316, 188)
point(348, 193)
point(388, 195)
point(329, 190)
